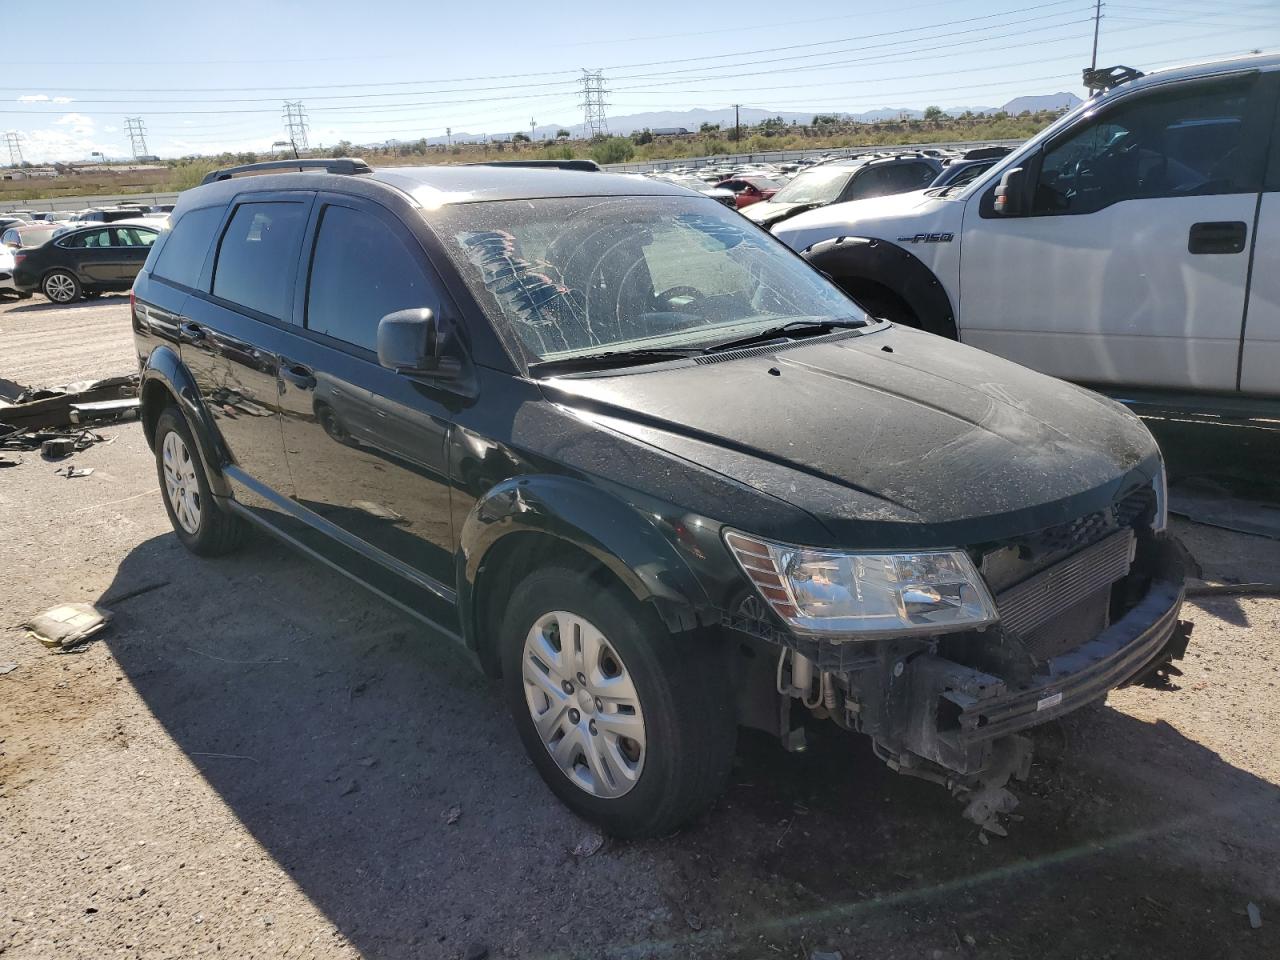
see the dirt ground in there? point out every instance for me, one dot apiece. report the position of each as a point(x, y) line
point(259, 759)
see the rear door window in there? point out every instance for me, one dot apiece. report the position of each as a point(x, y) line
point(181, 258)
point(257, 256)
point(360, 272)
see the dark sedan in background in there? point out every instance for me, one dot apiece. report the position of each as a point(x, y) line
point(85, 261)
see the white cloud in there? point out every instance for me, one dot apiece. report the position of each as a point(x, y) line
point(77, 121)
point(44, 99)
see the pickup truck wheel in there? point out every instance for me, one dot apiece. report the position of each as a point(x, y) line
point(630, 727)
point(204, 527)
point(60, 286)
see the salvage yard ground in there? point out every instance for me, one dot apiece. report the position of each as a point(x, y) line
point(258, 759)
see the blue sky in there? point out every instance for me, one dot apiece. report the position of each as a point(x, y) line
point(212, 76)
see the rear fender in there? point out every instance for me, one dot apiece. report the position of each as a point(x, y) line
point(891, 266)
point(166, 381)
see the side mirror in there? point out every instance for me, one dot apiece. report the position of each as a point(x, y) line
point(412, 343)
point(1010, 198)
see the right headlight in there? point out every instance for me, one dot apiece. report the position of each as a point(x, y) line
point(865, 595)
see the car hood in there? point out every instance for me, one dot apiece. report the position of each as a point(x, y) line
point(892, 438)
point(885, 218)
point(770, 212)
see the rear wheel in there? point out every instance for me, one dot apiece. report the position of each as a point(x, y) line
point(631, 727)
point(61, 287)
point(203, 525)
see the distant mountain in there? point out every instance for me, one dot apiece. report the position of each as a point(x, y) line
point(692, 120)
point(1050, 101)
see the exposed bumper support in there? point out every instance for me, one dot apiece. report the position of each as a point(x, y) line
point(956, 716)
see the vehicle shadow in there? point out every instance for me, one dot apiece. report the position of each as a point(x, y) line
point(381, 772)
point(38, 304)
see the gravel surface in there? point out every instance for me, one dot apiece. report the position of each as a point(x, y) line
point(258, 759)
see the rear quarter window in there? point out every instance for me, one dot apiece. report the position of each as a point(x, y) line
point(181, 257)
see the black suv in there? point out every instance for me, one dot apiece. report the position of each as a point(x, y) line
point(651, 469)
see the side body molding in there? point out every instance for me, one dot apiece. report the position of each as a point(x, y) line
point(165, 372)
point(892, 266)
point(618, 534)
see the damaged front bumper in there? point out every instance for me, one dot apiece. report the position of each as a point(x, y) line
point(958, 723)
point(957, 714)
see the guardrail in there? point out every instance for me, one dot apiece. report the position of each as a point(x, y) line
point(776, 156)
point(781, 156)
point(79, 203)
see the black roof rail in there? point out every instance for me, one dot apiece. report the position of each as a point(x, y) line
point(1104, 78)
point(586, 166)
point(343, 165)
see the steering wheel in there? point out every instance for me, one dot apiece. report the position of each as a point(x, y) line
point(666, 296)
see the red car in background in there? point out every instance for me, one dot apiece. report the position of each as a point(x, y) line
point(749, 190)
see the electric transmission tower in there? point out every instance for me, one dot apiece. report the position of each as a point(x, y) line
point(593, 104)
point(13, 140)
point(295, 124)
point(137, 131)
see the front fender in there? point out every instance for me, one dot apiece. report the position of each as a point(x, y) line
point(599, 523)
point(164, 372)
point(891, 266)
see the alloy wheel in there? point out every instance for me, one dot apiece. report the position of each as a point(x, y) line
point(584, 704)
point(60, 288)
point(180, 482)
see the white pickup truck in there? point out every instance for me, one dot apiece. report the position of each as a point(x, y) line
point(1133, 245)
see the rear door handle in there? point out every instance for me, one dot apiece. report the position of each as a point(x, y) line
point(300, 376)
point(190, 332)
point(1227, 236)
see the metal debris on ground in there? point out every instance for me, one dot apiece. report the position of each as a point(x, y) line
point(52, 444)
point(7, 668)
point(45, 407)
point(452, 815)
point(71, 471)
point(68, 625)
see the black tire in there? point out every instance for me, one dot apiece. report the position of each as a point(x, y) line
point(218, 531)
point(684, 694)
point(64, 286)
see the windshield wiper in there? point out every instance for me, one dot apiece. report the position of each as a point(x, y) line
point(611, 358)
point(795, 328)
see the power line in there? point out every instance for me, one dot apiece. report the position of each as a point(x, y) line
point(594, 123)
point(137, 136)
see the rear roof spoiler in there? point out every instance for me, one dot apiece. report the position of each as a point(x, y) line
point(343, 165)
point(586, 166)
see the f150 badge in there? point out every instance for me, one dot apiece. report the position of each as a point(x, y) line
point(928, 238)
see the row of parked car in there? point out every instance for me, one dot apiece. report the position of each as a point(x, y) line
point(770, 193)
point(96, 251)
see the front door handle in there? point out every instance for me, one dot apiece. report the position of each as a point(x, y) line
point(1227, 236)
point(299, 375)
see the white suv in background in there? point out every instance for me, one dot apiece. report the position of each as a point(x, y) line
point(1135, 243)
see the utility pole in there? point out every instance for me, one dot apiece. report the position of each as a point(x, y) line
point(295, 125)
point(737, 127)
point(137, 131)
point(1097, 21)
point(532, 126)
point(448, 136)
point(13, 140)
point(593, 104)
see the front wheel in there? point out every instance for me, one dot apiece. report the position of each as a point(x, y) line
point(203, 525)
point(631, 727)
point(62, 287)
